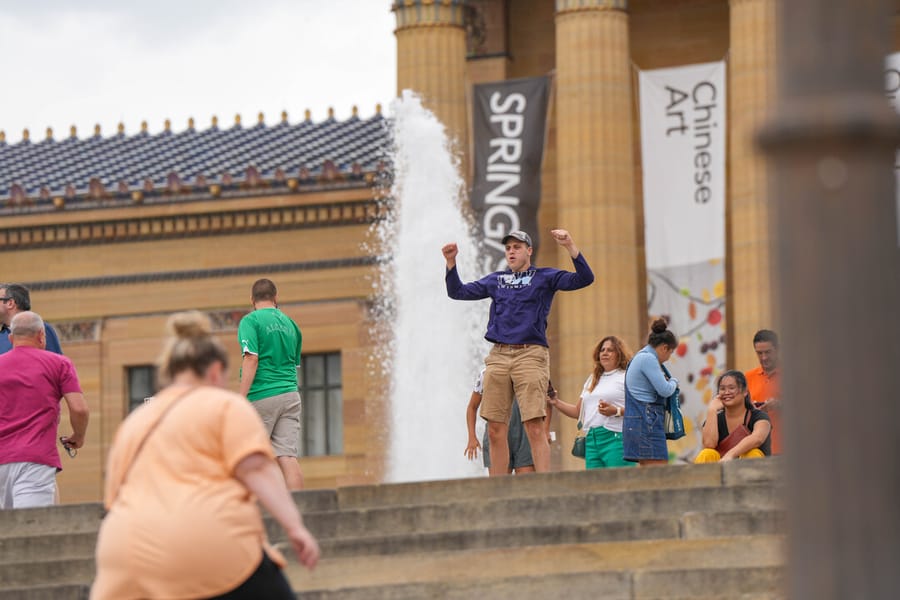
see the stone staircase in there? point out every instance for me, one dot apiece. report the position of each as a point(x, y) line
point(682, 531)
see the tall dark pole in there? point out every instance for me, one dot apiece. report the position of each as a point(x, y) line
point(832, 147)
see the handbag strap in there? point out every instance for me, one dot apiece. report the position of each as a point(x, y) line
point(581, 416)
point(153, 427)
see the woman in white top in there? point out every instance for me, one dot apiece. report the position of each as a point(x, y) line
point(603, 404)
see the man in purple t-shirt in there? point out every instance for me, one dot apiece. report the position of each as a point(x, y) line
point(32, 381)
point(519, 362)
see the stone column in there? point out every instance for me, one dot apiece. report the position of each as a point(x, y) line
point(751, 79)
point(833, 141)
point(596, 181)
point(431, 60)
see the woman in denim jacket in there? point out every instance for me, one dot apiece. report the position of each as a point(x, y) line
point(646, 390)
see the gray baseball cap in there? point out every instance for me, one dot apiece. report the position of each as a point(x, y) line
point(518, 234)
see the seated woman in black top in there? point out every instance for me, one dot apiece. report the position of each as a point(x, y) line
point(734, 428)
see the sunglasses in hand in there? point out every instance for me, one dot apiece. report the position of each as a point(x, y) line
point(72, 451)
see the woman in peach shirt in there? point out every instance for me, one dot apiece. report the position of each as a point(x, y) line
point(184, 474)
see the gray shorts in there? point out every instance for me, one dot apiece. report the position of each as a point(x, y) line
point(27, 485)
point(281, 416)
point(519, 448)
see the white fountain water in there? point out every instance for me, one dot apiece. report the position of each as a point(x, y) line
point(437, 343)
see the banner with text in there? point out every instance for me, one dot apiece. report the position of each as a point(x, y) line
point(892, 88)
point(509, 121)
point(683, 127)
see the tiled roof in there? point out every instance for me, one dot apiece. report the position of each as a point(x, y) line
point(191, 161)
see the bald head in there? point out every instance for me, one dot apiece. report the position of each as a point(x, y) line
point(27, 329)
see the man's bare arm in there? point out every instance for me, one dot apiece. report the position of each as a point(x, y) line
point(249, 363)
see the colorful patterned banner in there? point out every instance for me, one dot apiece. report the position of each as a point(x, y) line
point(683, 126)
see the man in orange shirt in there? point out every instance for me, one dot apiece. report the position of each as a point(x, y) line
point(764, 382)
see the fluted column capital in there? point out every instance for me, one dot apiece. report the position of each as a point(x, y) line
point(430, 13)
point(567, 6)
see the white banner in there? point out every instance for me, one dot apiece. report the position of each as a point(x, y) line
point(683, 150)
point(683, 127)
point(892, 87)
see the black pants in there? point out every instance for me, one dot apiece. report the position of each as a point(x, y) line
point(266, 582)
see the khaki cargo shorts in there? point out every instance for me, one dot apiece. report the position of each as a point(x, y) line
point(522, 371)
point(281, 416)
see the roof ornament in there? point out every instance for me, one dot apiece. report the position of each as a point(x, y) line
point(237, 120)
point(284, 116)
point(215, 122)
point(261, 119)
point(25, 135)
point(167, 125)
point(330, 171)
point(49, 136)
point(120, 128)
point(252, 176)
point(143, 126)
point(17, 194)
point(330, 112)
point(59, 202)
point(173, 182)
point(307, 115)
point(95, 189)
point(190, 123)
point(2, 137)
point(97, 130)
point(73, 132)
point(355, 111)
point(378, 108)
point(137, 196)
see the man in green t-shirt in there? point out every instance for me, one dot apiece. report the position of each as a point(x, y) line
point(270, 344)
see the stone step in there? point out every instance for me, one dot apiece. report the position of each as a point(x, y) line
point(689, 526)
point(755, 583)
point(542, 484)
point(47, 573)
point(49, 592)
point(636, 569)
point(68, 518)
point(83, 518)
point(63, 547)
point(529, 511)
point(47, 547)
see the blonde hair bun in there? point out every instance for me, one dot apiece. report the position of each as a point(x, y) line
point(190, 325)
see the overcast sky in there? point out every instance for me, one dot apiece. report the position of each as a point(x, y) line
point(82, 62)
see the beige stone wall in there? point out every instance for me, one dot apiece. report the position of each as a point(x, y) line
point(121, 289)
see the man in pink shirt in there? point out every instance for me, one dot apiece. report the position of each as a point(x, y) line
point(32, 381)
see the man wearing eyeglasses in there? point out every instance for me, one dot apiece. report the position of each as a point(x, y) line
point(32, 381)
point(15, 298)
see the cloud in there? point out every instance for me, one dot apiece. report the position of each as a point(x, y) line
point(104, 65)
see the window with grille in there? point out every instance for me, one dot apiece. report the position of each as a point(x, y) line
point(141, 380)
point(323, 404)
